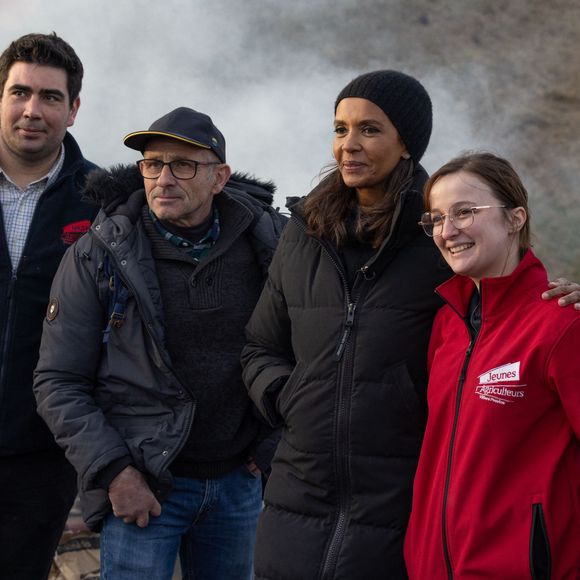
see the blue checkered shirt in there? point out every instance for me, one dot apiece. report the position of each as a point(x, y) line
point(18, 207)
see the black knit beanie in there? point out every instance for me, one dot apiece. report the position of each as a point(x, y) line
point(403, 99)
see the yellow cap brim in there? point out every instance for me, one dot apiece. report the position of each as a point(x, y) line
point(138, 139)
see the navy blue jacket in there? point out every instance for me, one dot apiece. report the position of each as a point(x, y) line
point(59, 219)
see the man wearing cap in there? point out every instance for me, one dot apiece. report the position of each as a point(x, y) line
point(139, 376)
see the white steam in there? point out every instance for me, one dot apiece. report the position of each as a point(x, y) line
point(271, 97)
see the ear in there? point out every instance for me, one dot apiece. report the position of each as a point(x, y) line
point(222, 173)
point(73, 112)
point(518, 218)
point(404, 153)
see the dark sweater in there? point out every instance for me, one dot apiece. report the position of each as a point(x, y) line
point(206, 307)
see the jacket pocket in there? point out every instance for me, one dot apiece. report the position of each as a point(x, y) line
point(398, 376)
point(540, 561)
point(285, 396)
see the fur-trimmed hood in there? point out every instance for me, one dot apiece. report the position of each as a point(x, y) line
point(112, 187)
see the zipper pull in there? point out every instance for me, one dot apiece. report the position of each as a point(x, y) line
point(347, 328)
point(350, 314)
point(367, 273)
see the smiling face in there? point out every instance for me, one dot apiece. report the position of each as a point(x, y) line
point(35, 112)
point(367, 147)
point(489, 246)
point(183, 202)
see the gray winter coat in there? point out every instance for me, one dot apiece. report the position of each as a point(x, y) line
point(104, 402)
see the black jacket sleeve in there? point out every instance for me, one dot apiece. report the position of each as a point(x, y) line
point(267, 358)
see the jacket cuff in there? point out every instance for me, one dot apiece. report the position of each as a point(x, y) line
point(106, 475)
point(270, 401)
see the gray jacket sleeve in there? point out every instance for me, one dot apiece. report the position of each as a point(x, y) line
point(267, 358)
point(66, 376)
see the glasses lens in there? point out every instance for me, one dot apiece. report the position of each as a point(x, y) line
point(462, 217)
point(427, 224)
point(180, 168)
point(183, 169)
point(150, 168)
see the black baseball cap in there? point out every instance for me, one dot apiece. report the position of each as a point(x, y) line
point(185, 125)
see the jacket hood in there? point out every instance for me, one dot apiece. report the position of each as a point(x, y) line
point(116, 184)
point(112, 187)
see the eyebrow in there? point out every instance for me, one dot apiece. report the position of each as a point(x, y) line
point(43, 92)
point(465, 203)
point(52, 92)
point(359, 123)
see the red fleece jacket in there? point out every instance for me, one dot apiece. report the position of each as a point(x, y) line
point(497, 491)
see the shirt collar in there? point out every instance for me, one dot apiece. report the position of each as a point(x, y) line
point(197, 250)
point(52, 174)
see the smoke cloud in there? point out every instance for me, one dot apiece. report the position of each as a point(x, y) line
point(268, 73)
point(271, 97)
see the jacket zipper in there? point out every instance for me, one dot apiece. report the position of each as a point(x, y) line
point(11, 285)
point(350, 311)
point(341, 434)
point(170, 456)
point(348, 323)
point(8, 327)
point(341, 462)
point(460, 384)
point(341, 431)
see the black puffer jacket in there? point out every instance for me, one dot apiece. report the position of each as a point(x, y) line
point(353, 404)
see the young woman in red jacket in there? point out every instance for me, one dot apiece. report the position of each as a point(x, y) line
point(497, 491)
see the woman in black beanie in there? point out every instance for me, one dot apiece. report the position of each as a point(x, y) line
point(337, 346)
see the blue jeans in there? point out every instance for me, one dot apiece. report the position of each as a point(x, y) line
point(210, 523)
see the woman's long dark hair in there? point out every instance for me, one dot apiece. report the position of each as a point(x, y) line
point(327, 208)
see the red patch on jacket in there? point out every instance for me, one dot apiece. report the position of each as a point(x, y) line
point(72, 232)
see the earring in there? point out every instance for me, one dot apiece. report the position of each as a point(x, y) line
point(406, 155)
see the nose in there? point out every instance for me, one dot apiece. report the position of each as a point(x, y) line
point(350, 142)
point(32, 109)
point(449, 230)
point(165, 177)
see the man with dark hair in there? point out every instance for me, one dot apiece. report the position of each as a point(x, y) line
point(150, 407)
point(41, 173)
point(44, 50)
